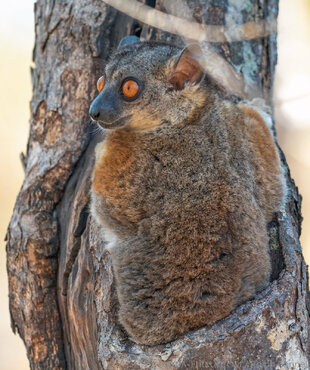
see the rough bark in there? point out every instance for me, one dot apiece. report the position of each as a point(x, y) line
point(70, 320)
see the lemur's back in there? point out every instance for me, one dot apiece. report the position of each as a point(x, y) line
point(185, 201)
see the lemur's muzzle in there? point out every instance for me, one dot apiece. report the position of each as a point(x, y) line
point(105, 110)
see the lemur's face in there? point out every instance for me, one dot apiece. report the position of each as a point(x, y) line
point(146, 85)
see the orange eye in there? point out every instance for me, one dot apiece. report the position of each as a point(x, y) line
point(100, 84)
point(130, 88)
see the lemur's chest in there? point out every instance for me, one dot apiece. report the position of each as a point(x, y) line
point(136, 176)
point(114, 172)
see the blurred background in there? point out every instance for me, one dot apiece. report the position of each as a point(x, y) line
point(292, 112)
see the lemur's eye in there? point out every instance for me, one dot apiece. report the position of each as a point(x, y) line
point(100, 84)
point(130, 89)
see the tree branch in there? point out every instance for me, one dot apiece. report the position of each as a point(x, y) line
point(194, 30)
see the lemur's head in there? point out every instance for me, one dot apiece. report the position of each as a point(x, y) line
point(148, 84)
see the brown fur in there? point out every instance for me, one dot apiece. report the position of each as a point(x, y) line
point(185, 199)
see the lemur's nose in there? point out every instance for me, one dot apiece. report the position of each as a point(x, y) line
point(94, 110)
point(94, 115)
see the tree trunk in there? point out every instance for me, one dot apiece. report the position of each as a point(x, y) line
point(62, 294)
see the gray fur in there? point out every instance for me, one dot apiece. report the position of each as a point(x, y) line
point(128, 40)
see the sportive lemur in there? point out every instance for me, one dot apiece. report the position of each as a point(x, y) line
point(184, 185)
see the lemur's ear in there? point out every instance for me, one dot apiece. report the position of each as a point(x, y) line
point(128, 40)
point(188, 67)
